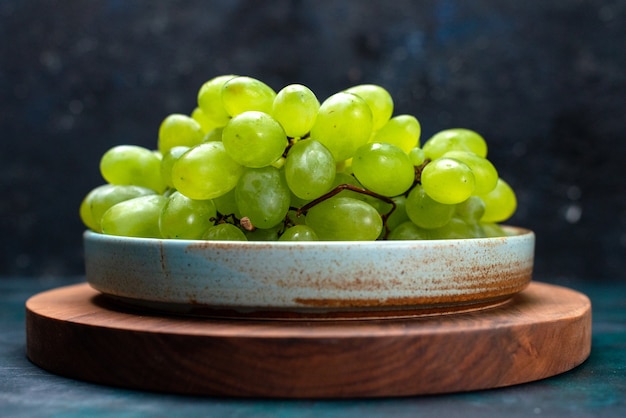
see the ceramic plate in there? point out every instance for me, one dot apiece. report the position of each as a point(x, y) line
point(326, 279)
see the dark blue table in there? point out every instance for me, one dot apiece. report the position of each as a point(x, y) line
point(597, 388)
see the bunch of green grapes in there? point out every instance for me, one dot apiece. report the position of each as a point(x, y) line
point(252, 163)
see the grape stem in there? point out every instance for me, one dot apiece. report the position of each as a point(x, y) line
point(418, 172)
point(303, 210)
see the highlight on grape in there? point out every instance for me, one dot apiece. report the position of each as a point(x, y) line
point(251, 163)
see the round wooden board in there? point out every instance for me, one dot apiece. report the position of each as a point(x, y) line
point(76, 332)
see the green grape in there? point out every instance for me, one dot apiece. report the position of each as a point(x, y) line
point(224, 232)
point(299, 233)
point(254, 139)
point(297, 202)
point(456, 229)
point(227, 205)
point(381, 206)
point(84, 211)
point(185, 218)
point(205, 172)
point(309, 169)
point(293, 216)
point(100, 199)
point(262, 195)
point(476, 230)
point(264, 234)
point(417, 156)
point(383, 168)
point(493, 230)
point(485, 174)
point(137, 217)
point(167, 162)
point(471, 210)
point(408, 231)
point(500, 203)
point(344, 219)
point(455, 139)
point(134, 165)
point(448, 181)
point(213, 135)
point(399, 215)
point(344, 166)
point(403, 131)
point(206, 124)
point(295, 108)
point(242, 94)
point(210, 100)
point(179, 130)
point(343, 124)
point(379, 101)
point(426, 212)
point(158, 154)
point(344, 178)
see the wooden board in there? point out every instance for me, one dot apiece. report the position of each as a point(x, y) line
point(76, 332)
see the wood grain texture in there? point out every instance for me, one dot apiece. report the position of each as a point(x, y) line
point(76, 332)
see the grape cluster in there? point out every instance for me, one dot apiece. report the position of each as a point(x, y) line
point(250, 163)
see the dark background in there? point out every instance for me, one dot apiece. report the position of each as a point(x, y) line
point(544, 82)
